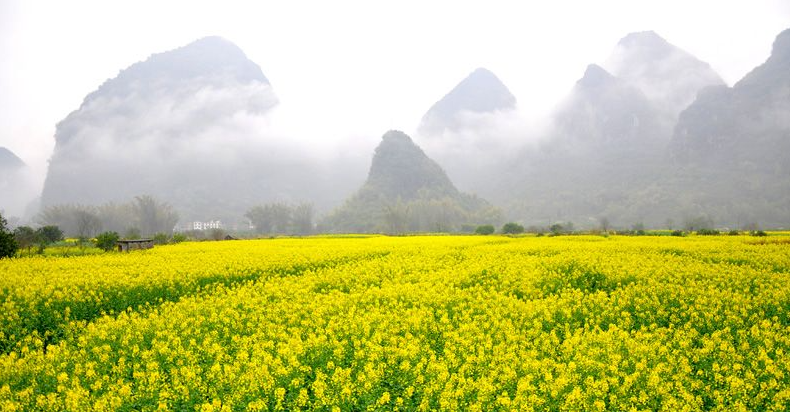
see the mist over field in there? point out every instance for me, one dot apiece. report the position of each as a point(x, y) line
point(624, 129)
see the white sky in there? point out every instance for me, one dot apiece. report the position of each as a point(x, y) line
point(354, 67)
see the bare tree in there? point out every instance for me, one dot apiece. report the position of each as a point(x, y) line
point(154, 217)
point(88, 224)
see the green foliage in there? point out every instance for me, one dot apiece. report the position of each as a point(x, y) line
point(8, 245)
point(160, 238)
point(273, 218)
point(485, 230)
point(561, 228)
point(758, 233)
point(512, 228)
point(708, 232)
point(106, 241)
point(282, 218)
point(178, 238)
point(733, 233)
point(25, 237)
point(677, 233)
point(50, 234)
point(302, 219)
point(407, 192)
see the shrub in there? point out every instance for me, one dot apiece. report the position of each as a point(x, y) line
point(484, 230)
point(758, 233)
point(106, 241)
point(707, 232)
point(733, 233)
point(8, 245)
point(178, 238)
point(512, 228)
point(561, 228)
point(160, 238)
point(677, 233)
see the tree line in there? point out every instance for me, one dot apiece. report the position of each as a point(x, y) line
point(142, 216)
point(282, 218)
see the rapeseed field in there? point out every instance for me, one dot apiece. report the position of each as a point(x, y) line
point(402, 323)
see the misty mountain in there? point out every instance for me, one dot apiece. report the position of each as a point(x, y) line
point(606, 154)
point(607, 113)
point(667, 75)
point(746, 125)
point(406, 190)
point(479, 93)
point(9, 161)
point(186, 126)
point(732, 145)
point(607, 142)
point(15, 184)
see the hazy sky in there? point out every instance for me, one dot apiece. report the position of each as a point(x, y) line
point(354, 67)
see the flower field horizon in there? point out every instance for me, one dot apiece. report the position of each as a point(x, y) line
point(403, 323)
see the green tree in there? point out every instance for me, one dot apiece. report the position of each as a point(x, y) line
point(8, 246)
point(302, 217)
point(281, 217)
point(50, 234)
point(275, 217)
point(25, 237)
point(512, 228)
point(560, 228)
point(260, 219)
point(107, 240)
point(485, 229)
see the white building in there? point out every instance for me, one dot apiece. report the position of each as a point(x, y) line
point(211, 224)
